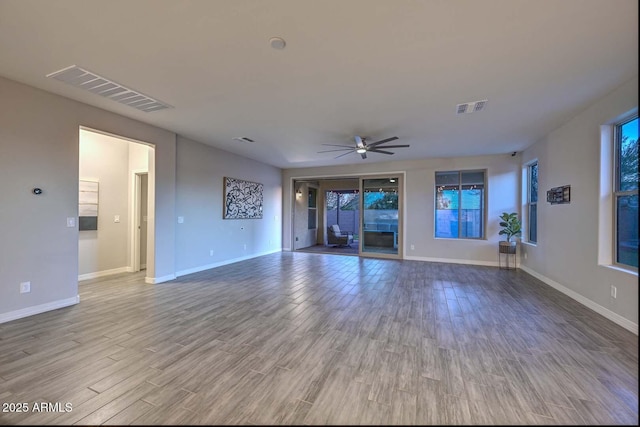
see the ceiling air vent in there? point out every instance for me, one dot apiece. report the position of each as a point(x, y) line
point(471, 107)
point(102, 86)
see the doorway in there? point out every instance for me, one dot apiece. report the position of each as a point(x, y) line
point(381, 216)
point(368, 209)
point(342, 210)
point(116, 229)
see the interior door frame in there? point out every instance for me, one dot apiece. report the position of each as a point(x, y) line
point(135, 235)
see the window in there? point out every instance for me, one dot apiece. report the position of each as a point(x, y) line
point(313, 218)
point(626, 193)
point(460, 204)
point(532, 202)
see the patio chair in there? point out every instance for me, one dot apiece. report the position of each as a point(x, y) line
point(337, 237)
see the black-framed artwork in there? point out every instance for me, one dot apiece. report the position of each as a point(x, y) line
point(242, 199)
point(559, 195)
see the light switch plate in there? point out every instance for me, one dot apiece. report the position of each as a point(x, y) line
point(25, 287)
point(180, 220)
point(71, 222)
point(116, 218)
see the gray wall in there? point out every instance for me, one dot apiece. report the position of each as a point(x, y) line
point(39, 148)
point(503, 195)
point(566, 254)
point(200, 176)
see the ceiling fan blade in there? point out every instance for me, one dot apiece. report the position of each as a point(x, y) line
point(336, 145)
point(396, 146)
point(337, 149)
point(380, 151)
point(373, 144)
point(348, 152)
point(363, 155)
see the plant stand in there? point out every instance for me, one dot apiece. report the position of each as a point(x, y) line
point(506, 253)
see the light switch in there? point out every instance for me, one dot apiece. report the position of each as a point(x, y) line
point(25, 287)
point(116, 218)
point(180, 219)
point(71, 222)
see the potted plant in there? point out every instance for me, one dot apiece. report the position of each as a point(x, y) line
point(511, 227)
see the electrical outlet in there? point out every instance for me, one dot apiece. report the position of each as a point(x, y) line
point(413, 247)
point(180, 220)
point(614, 291)
point(71, 222)
point(25, 287)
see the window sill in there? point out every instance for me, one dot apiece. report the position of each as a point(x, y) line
point(529, 243)
point(463, 239)
point(620, 269)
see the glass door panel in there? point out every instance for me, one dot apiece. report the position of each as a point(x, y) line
point(381, 213)
point(342, 207)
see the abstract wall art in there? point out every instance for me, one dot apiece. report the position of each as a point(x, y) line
point(242, 199)
point(88, 205)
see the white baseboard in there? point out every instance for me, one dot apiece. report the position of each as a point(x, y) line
point(37, 309)
point(225, 262)
point(286, 249)
point(102, 273)
point(162, 279)
point(614, 317)
point(453, 261)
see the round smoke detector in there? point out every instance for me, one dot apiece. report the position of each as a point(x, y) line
point(277, 43)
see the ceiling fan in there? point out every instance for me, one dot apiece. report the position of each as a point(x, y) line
point(362, 147)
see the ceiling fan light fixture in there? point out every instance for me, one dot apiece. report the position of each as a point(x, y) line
point(243, 139)
point(361, 147)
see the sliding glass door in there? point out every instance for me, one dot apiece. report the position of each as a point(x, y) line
point(381, 216)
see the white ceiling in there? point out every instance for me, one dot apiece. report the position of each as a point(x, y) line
point(350, 67)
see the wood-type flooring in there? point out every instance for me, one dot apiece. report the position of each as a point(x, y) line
point(299, 338)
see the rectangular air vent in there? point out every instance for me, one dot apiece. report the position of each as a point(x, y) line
point(462, 108)
point(479, 105)
point(102, 86)
point(471, 107)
